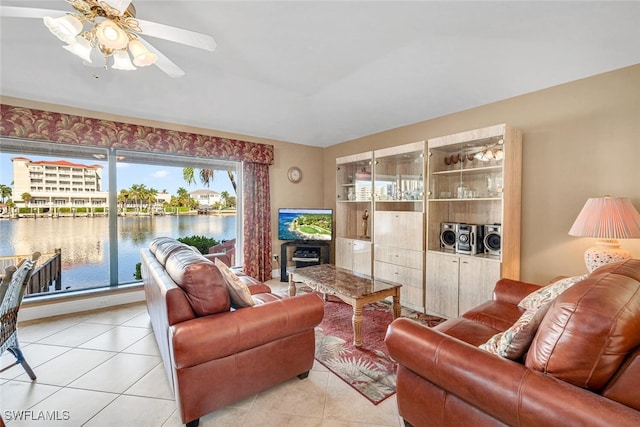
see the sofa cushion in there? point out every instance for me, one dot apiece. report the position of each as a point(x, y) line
point(514, 342)
point(201, 281)
point(469, 331)
point(549, 293)
point(238, 291)
point(590, 328)
point(498, 315)
point(162, 247)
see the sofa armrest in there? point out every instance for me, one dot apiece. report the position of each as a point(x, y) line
point(221, 255)
point(506, 390)
point(512, 291)
point(219, 335)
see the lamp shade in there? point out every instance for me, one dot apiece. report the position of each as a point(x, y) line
point(141, 56)
point(66, 28)
point(121, 60)
point(80, 47)
point(607, 218)
point(119, 5)
point(110, 35)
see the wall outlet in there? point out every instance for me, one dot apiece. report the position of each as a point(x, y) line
point(275, 257)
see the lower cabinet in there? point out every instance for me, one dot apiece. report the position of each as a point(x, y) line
point(458, 283)
point(354, 255)
point(405, 267)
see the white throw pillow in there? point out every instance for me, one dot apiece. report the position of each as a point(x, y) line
point(549, 293)
point(238, 292)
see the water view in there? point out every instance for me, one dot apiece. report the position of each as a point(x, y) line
point(85, 241)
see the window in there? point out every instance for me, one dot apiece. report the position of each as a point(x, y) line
point(99, 231)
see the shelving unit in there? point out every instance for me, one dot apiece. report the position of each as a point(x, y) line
point(399, 220)
point(470, 181)
point(474, 179)
point(354, 187)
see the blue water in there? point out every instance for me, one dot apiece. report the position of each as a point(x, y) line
point(85, 241)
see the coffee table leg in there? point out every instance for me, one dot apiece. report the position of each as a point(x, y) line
point(397, 308)
point(357, 325)
point(292, 285)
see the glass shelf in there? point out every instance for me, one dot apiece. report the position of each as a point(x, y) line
point(470, 171)
point(470, 199)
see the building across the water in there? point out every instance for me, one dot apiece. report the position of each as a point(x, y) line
point(57, 184)
point(206, 197)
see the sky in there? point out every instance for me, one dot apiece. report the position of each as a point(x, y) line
point(158, 177)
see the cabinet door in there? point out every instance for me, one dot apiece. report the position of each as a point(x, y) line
point(399, 256)
point(478, 277)
point(344, 253)
point(441, 295)
point(361, 257)
point(399, 229)
point(410, 278)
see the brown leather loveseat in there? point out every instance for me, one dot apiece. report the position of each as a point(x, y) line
point(581, 366)
point(215, 355)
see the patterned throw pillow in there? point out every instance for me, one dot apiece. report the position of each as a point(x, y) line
point(238, 291)
point(549, 293)
point(514, 342)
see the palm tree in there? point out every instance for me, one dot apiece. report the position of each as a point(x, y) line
point(206, 176)
point(150, 196)
point(225, 198)
point(123, 198)
point(26, 197)
point(137, 193)
point(183, 197)
point(5, 192)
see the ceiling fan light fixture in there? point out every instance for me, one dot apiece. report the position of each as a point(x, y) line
point(121, 61)
point(120, 5)
point(141, 56)
point(80, 47)
point(110, 35)
point(66, 28)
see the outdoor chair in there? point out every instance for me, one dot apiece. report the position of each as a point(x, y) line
point(11, 292)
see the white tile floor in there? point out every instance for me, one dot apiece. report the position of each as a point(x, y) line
point(103, 369)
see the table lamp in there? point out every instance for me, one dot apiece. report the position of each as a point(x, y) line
point(607, 219)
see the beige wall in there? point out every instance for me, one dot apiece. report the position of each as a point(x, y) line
point(580, 140)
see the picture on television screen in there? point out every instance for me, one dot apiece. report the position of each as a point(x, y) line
point(305, 224)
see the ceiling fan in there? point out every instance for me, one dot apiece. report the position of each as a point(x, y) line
point(104, 32)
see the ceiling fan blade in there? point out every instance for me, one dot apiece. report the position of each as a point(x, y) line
point(164, 63)
point(177, 35)
point(29, 12)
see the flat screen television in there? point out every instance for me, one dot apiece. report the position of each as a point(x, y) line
point(305, 224)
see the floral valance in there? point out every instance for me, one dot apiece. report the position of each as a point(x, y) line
point(41, 125)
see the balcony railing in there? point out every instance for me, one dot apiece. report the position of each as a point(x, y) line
point(47, 272)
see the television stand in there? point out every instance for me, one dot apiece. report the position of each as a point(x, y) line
point(303, 254)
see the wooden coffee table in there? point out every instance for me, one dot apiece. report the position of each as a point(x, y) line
point(357, 290)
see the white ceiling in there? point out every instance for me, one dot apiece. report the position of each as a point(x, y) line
point(320, 73)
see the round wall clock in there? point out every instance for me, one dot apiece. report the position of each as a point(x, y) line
point(294, 174)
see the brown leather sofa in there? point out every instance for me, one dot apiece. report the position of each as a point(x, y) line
point(581, 369)
point(215, 355)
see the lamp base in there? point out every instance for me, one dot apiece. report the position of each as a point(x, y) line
point(605, 252)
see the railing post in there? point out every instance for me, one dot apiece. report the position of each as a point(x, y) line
point(58, 269)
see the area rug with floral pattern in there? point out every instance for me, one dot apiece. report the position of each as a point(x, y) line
point(368, 369)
